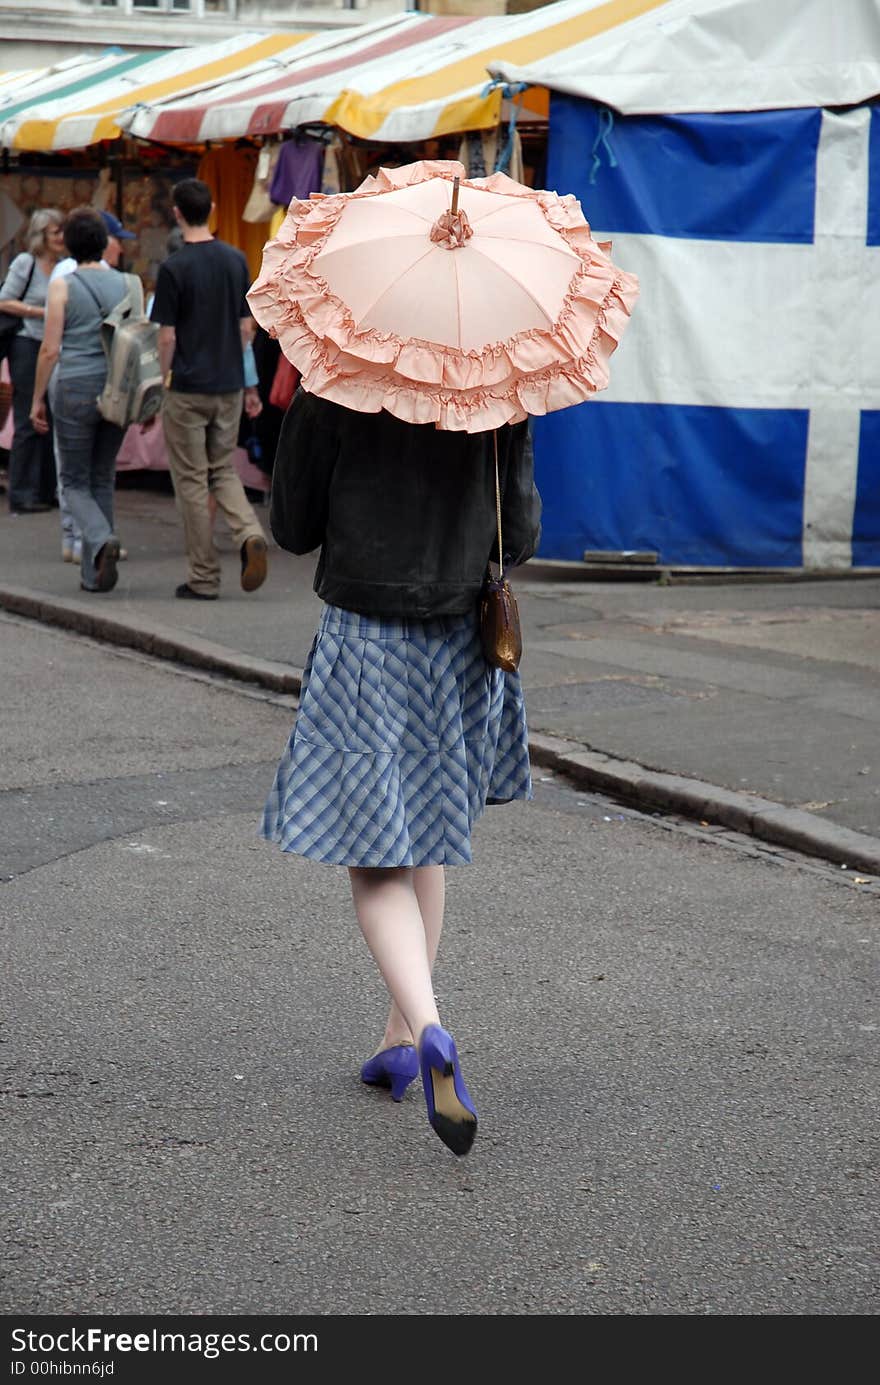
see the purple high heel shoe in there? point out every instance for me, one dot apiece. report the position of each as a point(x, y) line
point(393, 1067)
point(450, 1109)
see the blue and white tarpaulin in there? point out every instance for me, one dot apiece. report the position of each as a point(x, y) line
point(742, 424)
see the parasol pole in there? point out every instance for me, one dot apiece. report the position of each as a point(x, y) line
point(455, 185)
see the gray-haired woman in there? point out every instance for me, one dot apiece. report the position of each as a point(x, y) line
point(23, 294)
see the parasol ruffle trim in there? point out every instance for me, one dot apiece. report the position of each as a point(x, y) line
point(333, 375)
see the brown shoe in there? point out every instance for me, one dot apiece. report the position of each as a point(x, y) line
point(254, 563)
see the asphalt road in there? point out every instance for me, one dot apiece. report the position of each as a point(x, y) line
point(670, 1037)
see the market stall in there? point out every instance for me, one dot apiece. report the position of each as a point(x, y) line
point(731, 152)
point(262, 117)
point(63, 147)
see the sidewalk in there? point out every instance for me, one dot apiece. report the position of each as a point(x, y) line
point(754, 706)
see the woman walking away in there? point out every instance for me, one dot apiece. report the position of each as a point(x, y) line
point(430, 316)
point(87, 444)
point(404, 731)
point(23, 295)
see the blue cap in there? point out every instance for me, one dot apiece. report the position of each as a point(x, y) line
point(116, 228)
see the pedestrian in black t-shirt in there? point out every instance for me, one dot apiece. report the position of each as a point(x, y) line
point(205, 327)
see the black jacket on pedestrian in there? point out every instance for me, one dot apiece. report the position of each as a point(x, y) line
point(404, 513)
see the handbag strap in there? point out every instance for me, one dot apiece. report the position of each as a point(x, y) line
point(498, 507)
point(91, 292)
point(19, 321)
point(27, 283)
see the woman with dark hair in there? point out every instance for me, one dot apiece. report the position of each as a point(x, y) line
point(87, 443)
point(23, 294)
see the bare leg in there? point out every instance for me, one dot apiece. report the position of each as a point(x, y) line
point(387, 904)
point(430, 888)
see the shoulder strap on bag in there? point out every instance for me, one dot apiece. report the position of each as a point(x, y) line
point(91, 292)
point(27, 282)
point(112, 317)
point(135, 294)
point(498, 507)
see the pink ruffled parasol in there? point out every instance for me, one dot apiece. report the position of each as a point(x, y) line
point(467, 303)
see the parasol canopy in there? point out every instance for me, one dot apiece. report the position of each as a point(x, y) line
point(467, 303)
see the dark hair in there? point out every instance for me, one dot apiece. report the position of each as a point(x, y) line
point(174, 241)
point(192, 198)
point(85, 234)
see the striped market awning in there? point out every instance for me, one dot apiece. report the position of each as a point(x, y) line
point(257, 103)
point(79, 103)
point(408, 79)
point(25, 87)
point(700, 55)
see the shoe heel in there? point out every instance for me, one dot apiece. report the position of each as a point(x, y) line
point(393, 1068)
point(399, 1084)
point(451, 1112)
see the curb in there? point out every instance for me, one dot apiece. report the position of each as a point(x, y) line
point(161, 641)
point(743, 812)
point(623, 779)
point(672, 574)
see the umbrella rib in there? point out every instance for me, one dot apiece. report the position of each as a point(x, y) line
point(539, 245)
point(526, 291)
point(410, 211)
point(395, 285)
point(496, 211)
point(479, 222)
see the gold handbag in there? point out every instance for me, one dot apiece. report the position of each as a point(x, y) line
point(499, 615)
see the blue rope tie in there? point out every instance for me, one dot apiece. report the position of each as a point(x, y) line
point(510, 91)
point(606, 125)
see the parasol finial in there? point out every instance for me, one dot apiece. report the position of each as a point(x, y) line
point(452, 229)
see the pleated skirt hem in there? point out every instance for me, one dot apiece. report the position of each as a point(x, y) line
point(404, 734)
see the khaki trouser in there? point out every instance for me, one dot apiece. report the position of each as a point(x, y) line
point(201, 432)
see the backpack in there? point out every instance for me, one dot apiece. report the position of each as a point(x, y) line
point(133, 392)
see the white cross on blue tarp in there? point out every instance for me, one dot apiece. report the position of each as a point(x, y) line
point(742, 424)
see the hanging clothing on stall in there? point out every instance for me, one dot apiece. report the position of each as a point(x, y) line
point(298, 170)
point(259, 207)
point(333, 174)
point(492, 151)
point(229, 172)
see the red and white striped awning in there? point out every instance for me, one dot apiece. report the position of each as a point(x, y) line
point(286, 94)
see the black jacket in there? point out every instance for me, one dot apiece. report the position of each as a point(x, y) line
point(404, 513)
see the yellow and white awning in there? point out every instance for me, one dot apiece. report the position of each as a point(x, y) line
point(702, 55)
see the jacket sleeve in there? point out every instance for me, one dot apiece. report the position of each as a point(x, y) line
point(307, 450)
point(520, 501)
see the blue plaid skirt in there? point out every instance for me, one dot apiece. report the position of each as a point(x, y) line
point(404, 734)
